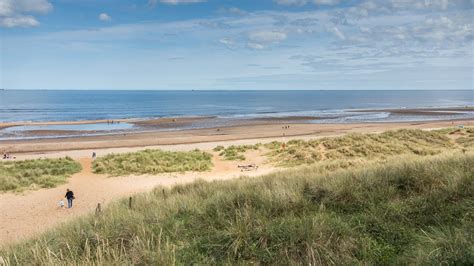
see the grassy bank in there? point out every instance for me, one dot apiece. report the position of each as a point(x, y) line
point(31, 174)
point(408, 210)
point(152, 162)
point(362, 146)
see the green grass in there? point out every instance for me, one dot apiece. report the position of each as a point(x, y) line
point(32, 174)
point(467, 137)
point(152, 162)
point(360, 146)
point(412, 210)
point(235, 152)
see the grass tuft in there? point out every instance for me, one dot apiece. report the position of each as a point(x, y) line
point(235, 152)
point(152, 162)
point(33, 174)
point(360, 146)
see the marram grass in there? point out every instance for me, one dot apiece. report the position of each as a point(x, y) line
point(235, 152)
point(39, 173)
point(410, 210)
point(152, 162)
point(363, 146)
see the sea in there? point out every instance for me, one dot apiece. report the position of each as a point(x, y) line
point(327, 106)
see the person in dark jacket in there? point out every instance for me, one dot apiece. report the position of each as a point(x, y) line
point(69, 196)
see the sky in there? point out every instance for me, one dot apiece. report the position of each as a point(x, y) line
point(241, 45)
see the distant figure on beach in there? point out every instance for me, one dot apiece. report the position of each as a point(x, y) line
point(70, 197)
point(93, 155)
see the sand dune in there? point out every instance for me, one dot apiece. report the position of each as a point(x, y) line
point(33, 212)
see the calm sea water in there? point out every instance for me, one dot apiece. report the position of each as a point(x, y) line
point(20, 105)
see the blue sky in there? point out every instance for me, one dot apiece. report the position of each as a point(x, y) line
point(226, 44)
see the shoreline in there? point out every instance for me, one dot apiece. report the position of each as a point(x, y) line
point(182, 119)
point(160, 120)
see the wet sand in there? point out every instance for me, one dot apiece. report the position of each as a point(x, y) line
point(157, 121)
point(172, 121)
point(205, 124)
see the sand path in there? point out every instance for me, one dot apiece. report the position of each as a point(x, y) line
point(27, 214)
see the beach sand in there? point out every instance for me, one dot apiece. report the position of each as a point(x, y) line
point(250, 131)
point(33, 212)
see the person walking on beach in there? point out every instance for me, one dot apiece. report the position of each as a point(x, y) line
point(70, 197)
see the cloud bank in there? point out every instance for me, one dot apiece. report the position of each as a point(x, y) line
point(19, 13)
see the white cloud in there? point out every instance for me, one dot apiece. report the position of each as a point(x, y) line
point(267, 36)
point(326, 2)
point(174, 2)
point(34, 6)
point(6, 8)
point(259, 40)
point(255, 46)
point(17, 13)
point(105, 17)
point(232, 11)
point(19, 21)
point(291, 2)
point(338, 33)
point(228, 43)
point(384, 5)
point(304, 2)
point(405, 4)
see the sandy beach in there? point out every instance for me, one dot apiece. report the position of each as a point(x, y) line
point(253, 130)
point(23, 212)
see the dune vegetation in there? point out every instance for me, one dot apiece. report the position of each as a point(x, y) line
point(32, 174)
point(152, 162)
point(412, 210)
point(235, 152)
point(352, 148)
point(466, 137)
point(358, 147)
